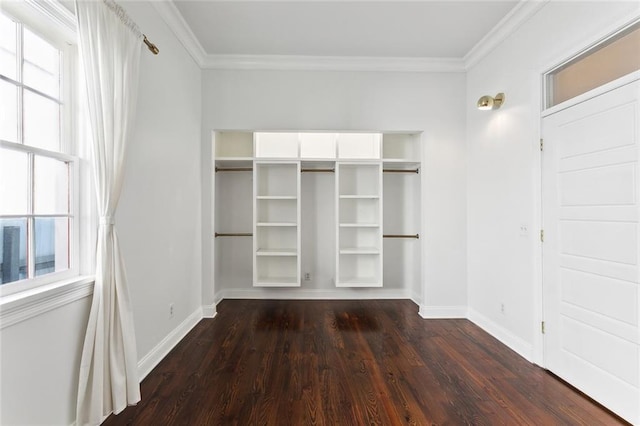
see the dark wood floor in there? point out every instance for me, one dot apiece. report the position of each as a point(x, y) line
point(349, 363)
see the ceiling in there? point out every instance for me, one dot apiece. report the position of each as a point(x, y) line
point(411, 29)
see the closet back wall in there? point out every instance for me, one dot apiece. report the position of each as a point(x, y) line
point(328, 100)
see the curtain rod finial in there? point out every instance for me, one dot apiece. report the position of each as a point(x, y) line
point(152, 47)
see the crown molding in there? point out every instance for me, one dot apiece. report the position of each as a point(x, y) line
point(168, 11)
point(332, 63)
point(521, 13)
point(174, 19)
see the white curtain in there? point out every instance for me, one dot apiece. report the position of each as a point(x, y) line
point(110, 44)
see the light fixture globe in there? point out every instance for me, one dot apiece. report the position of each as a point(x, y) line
point(487, 102)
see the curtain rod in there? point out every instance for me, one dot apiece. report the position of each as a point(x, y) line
point(152, 47)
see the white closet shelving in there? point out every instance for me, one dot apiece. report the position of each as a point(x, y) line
point(359, 224)
point(270, 232)
point(401, 148)
point(232, 208)
point(233, 145)
point(276, 232)
point(402, 211)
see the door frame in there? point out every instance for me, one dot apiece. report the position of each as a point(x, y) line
point(568, 55)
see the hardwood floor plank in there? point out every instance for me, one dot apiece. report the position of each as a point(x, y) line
point(273, 362)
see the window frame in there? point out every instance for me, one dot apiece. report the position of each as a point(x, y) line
point(68, 148)
point(606, 38)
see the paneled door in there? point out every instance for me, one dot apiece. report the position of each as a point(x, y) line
point(590, 196)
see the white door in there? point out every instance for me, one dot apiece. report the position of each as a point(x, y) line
point(590, 196)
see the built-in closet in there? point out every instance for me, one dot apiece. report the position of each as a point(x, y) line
point(334, 214)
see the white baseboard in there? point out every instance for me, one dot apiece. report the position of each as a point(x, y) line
point(416, 298)
point(209, 311)
point(217, 297)
point(314, 294)
point(520, 346)
point(442, 312)
point(157, 354)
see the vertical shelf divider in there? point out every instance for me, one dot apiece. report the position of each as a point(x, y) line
point(276, 223)
point(359, 224)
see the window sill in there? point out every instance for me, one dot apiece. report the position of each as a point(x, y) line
point(21, 306)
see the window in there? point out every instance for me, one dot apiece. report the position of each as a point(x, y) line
point(611, 59)
point(37, 172)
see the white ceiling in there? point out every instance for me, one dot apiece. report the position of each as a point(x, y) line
point(412, 29)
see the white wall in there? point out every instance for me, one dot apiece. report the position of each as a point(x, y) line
point(503, 165)
point(307, 100)
point(158, 223)
point(39, 365)
point(158, 216)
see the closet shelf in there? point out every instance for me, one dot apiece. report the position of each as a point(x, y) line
point(359, 197)
point(359, 250)
point(276, 197)
point(359, 225)
point(230, 158)
point(276, 224)
point(276, 252)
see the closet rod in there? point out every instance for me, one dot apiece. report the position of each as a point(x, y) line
point(318, 170)
point(233, 234)
point(416, 236)
point(234, 169)
point(401, 171)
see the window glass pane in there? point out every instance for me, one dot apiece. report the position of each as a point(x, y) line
point(52, 244)
point(41, 122)
point(8, 47)
point(51, 186)
point(609, 61)
point(14, 182)
point(13, 250)
point(41, 67)
point(8, 111)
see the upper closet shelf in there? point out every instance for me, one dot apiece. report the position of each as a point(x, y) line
point(360, 197)
point(317, 148)
point(277, 197)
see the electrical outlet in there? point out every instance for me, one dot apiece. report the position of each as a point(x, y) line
point(502, 308)
point(307, 276)
point(170, 310)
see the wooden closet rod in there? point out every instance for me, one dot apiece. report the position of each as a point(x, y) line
point(318, 170)
point(234, 169)
point(416, 236)
point(233, 234)
point(401, 171)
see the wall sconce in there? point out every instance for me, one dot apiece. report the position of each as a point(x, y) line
point(487, 102)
